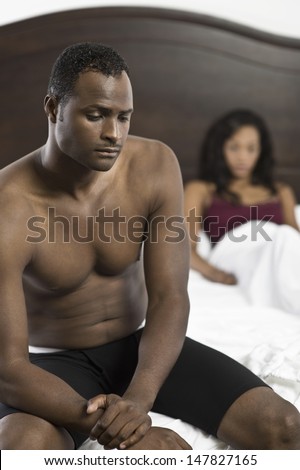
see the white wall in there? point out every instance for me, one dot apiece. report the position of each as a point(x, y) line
point(275, 16)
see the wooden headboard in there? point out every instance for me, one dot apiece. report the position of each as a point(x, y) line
point(186, 70)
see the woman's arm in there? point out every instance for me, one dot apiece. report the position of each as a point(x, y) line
point(288, 202)
point(197, 196)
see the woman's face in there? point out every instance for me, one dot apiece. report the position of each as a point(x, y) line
point(241, 151)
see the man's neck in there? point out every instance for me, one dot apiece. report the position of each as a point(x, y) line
point(66, 175)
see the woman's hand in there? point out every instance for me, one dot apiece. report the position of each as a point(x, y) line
point(209, 271)
point(217, 275)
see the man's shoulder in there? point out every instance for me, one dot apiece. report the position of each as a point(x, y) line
point(14, 185)
point(155, 171)
point(150, 154)
point(15, 211)
point(154, 147)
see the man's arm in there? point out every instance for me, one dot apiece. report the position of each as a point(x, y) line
point(166, 261)
point(23, 385)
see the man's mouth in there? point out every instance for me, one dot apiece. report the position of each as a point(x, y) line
point(108, 152)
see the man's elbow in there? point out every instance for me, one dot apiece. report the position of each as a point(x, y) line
point(9, 381)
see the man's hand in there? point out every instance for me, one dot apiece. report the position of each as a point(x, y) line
point(158, 438)
point(122, 423)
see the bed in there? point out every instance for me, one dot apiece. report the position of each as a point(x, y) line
point(186, 70)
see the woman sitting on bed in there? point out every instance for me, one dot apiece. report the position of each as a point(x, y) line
point(248, 216)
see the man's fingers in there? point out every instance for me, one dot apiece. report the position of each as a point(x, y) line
point(118, 433)
point(183, 443)
point(103, 429)
point(136, 435)
point(121, 423)
point(95, 403)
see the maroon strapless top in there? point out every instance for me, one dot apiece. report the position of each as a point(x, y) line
point(222, 216)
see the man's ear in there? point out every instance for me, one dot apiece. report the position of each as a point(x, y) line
point(51, 107)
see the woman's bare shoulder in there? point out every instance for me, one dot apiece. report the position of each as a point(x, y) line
point(285, 191)
point(199, 193)
point(203, 189)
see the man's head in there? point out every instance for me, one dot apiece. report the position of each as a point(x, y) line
point(89, 105)
point(79, 58)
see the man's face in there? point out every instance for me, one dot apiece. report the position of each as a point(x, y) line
point(93, 125)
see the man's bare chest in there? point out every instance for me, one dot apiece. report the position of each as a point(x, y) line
point(69, 246)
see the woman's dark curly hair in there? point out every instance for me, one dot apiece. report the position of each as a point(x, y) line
point(213, 167)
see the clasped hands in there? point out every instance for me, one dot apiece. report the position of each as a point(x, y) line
point(125, 425)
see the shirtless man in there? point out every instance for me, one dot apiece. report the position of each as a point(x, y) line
point(77, 292)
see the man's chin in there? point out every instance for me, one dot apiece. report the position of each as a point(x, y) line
point(104, 165)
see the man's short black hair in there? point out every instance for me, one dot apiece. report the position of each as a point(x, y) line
point(79, 58)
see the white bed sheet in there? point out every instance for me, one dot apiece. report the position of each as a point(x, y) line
point(267, 340)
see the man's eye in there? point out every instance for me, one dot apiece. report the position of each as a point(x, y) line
point(124, 118)
point(93, 117)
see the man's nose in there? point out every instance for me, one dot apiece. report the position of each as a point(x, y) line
point(110, 130)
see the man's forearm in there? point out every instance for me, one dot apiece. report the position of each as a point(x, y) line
point(36, 391)
point(160, 346)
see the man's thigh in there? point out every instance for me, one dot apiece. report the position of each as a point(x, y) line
point(203, 385)
point(103, 369)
